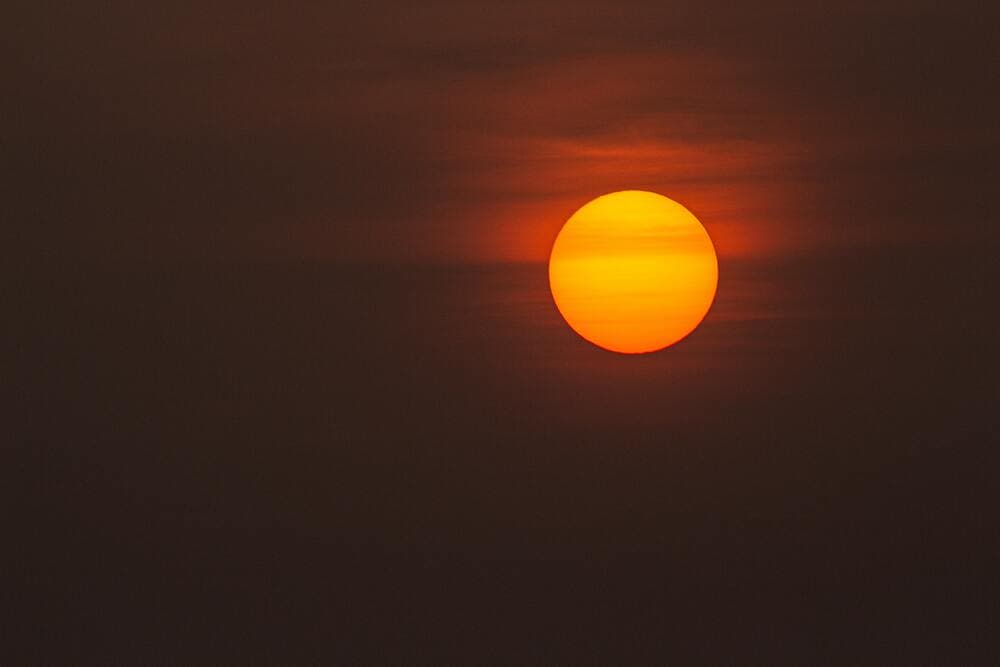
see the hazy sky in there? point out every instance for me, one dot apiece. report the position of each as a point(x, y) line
point(226, 452)
point(464, 131)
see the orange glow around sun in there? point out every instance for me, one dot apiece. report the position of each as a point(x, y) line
point(633, 271)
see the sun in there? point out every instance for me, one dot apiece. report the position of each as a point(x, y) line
point(633, 272)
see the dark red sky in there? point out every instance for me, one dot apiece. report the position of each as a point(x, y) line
point(264, 405)
point(468, 131)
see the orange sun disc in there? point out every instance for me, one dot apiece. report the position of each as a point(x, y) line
point(633, 271)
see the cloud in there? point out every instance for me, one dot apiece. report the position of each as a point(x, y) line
point(471, 130)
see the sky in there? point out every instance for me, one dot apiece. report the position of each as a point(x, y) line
point(285, 382)
point(464, 132)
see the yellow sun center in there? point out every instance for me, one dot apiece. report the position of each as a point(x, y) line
point(633, 271)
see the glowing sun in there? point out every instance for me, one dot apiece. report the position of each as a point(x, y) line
point(633, 271)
